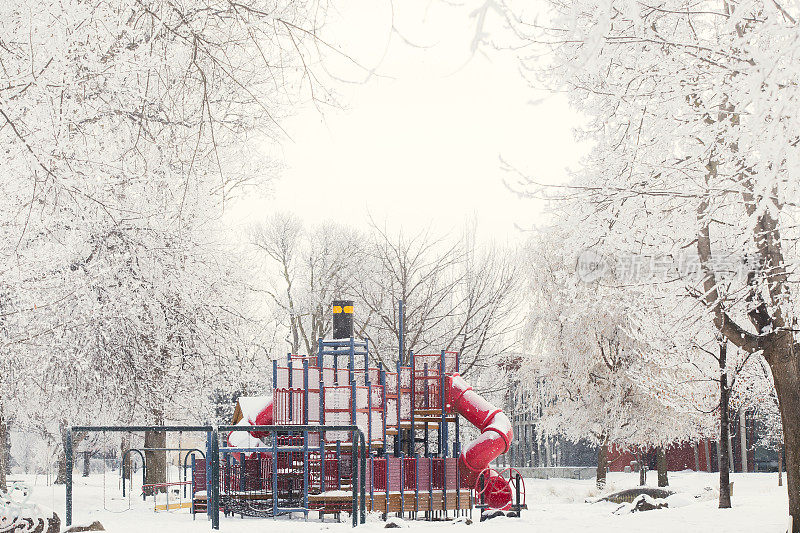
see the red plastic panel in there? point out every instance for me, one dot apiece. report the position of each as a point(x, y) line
point(289, 406)
point(423, 473)
point(438, 472)
point(393, 480)
point(331, 467)
point(451, 468)
point(409, 473)
point(252, 474)
point(379, 474)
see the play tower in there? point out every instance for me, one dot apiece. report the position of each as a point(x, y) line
point(408, 414)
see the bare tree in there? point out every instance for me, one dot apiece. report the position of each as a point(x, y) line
point(310, 268)
point(457, 296)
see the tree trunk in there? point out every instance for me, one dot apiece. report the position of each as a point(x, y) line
point(156, 461)
point(602, 464)
point(786, 376)
point(3, 450)
point(124, 446)
point(61, 476)
point(743, 437)
point(774, 336)
point(87, 460)
point(780, 466)
point(724, 438)
point(661, 461)
point(642, 470)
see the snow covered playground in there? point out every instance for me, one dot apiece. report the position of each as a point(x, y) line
point(340, 436)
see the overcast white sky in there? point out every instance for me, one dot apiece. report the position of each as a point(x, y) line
point(421, 144)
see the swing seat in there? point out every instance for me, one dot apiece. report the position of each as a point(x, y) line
point(173, 506)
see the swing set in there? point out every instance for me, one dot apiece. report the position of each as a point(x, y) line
point(181, 498)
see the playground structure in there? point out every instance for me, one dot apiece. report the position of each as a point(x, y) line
point(396, 410)
point(338, 435)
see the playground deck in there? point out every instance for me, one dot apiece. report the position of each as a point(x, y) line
point(395, 502)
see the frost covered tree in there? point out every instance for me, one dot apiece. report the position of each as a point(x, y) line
point(128, 127)
point(587, 365)
point(695, 155)
point(716, 377)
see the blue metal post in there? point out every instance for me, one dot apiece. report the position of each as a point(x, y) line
point(352, 364)
point(397, 438)
point(305, 391)
point(243, 475)
point(430, 485)
point(413, 400)
point(402, 339)
point(383, 407)
point(274, 374)
point(214, 493)
point(338, 465)
point(208, 473)
point(353, 403)
point(321, 403)
point(68, 466)
point(369, 414)
point(364, 453)
point(193, 487)
point(322, 460)
point(372, 483)
point(305, 464)
point(353, 476)
point(274, 436)
point(457, 445)
point(402, 484)
point(416, 485)
point(443, 425)
point(366, 359)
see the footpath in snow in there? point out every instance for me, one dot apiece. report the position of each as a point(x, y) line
point(555, 505)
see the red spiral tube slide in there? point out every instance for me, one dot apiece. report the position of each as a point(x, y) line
point(496, 431)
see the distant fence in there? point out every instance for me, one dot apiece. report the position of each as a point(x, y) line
point(567, 472)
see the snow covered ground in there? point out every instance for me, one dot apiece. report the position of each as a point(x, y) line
point(555, 505)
